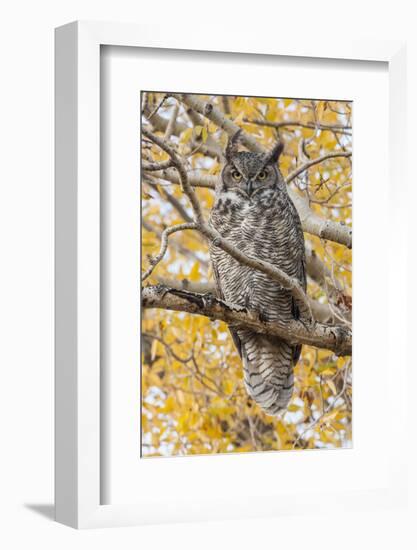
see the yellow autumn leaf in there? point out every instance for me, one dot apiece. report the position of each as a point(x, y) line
point(320, 109)
point(228, 387)
point(239, 119)
point(332, 386)
point(197, 130)
point(186, 135)
point(169, 404)
point(195, 272)
point(154, 349)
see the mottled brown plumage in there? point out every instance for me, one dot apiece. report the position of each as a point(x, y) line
point(254, 212)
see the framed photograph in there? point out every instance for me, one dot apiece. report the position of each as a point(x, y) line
point(220, 272)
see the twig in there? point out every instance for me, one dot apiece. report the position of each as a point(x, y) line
point(196, 180)
point(164, 245)
point(186, 187)
point(171, 199)
point(327, 409)
point(313, 162)
point(171, 124)
point(187, 252)
point(226, 104)
point(157, 107)
point(336, 128)
point(156, 166)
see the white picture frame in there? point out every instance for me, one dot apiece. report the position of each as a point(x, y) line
point(78, 426)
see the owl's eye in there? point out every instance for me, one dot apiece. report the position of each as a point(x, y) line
point(262, 175)
point(237, 176)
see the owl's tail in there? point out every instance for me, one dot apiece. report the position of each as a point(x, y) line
point(268, 365)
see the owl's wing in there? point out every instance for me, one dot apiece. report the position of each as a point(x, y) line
point(302, 277)
point(295, 310)
point(220, 295)
point(236, 341)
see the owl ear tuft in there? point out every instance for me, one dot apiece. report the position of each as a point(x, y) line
point(232, 145)
point(273, 155)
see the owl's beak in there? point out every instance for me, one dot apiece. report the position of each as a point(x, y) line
point(249, 187)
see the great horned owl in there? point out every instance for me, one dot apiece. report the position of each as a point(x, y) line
point(253, 211)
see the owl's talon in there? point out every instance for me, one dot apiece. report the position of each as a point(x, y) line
point(208, 299)
point(162, 289)
point(309, 324)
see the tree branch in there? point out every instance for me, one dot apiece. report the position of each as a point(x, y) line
point(176, 161)
point(172, 121)
point(313, 162)
point(156, 166)
point(336, 128)
point(321, 312)
point(187, 252)
point(196, 180)
point(164, 245)
point(173, 201)
point(160, 124)
point(215, 115)
point(316, 225)
point(336, 338)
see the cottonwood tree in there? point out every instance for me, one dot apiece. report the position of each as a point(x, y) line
point(193, 398)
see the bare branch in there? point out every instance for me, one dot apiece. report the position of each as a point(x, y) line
point(325, 411)
point(196, 180)
point(226, 104)
point(335, 338)
point(171, 199)
point(186, 284)
point(160, 123)
point(187, 252)
point(171, 124)
point(186, 187)
point(156, 166)
point(215, 115)
point(164, 245)
point(211, 146)
point(150, 115)
point(321, 312)
point(315, 225)
point(336, 128)
point(313, 162)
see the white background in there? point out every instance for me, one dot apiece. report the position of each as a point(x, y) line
point(26, 301)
